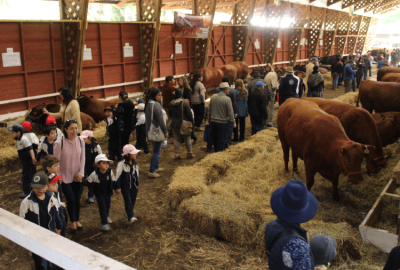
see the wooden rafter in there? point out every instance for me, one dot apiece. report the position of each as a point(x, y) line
point(364, 4)
point(348, 3)
point(390, 10)
point(332, 2)
point(387, 7)
point(378, 4)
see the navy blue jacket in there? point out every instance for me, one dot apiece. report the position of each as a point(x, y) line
point(273, 229)
point(101, 184)
point(127, 175)
point(45, 148)
point(91, 151)
point(24, 146)
point(29, 210)
point(289, 86)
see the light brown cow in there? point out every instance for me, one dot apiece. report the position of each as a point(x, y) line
point(391, 77)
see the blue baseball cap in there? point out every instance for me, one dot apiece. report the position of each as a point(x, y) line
point(260, 83)
point(16, 128)
point(314, 59)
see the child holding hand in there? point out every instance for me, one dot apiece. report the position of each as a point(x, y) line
point(128, 179)
point(102, 180)
point(46, 145)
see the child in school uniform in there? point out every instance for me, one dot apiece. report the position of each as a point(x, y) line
point(102, 180)
point(40, 207)
point(92, 149)
point(51, 121)
point(27, 157)
point(141, 130)
point(51, 166)
point(46, 146)
point(111, 132)
point(33, 139)
point(128, 179)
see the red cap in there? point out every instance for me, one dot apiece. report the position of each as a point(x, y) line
point(26, 125)
point(53, 178)
point(187, 101)
point(107, 109)
point(50, 120)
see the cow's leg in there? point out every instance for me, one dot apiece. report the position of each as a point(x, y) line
point(335, 182)
point(285, 148)
point(310, 173)
point(294, 159)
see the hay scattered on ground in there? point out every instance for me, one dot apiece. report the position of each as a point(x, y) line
point(327, 78)
point(6, 138)
point(350, 98)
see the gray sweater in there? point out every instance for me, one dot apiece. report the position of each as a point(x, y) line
point(221, 110)
point(158, 118)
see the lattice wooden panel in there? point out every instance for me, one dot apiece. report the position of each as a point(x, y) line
point(368, 43)
point(313, 39)
point(347, 3)
point(147, 32)
point(344, 24)
point(316, 19)
point(328, 42)
point(362, 4)
point(389, 10)
point(341, 43)
point(271, 40)
point(364, 26)
point(360, 43)
point(386, 7)
point(372, 26)
point(274, 15)
point(74, 10)
point(375, 6)
point(294, 39)
point(241, 34)
point(354, 26)
point(351, 41)
point(331, 19)
point(243, 11)
point(331, 2)
point(298, 15)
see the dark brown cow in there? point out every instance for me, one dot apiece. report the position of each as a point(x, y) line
point(94, 107)
point(385, 70)
point(88, 122)
point(360, 127)
point(319, 139)
point(299, 72)
point(323, 70)
point(391, 77)
point(242, 69)
point(389, 130)
point(379, 96)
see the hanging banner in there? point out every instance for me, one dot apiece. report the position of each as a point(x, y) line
point(277, 3)
point(191, 26)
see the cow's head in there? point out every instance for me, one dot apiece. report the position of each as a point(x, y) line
point(36, 113)
point(374, 166)
point(351, 155)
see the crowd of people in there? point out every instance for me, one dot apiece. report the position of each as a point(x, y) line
point(71, 158)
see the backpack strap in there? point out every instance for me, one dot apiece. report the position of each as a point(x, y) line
point(279, 236)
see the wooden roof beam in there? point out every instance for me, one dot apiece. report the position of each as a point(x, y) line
point(379, 5)
point(387, 7)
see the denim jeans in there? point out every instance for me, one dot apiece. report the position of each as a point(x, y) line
point(141, 138)
point(335, 80)
point(270, 107)
point(72, 195)
point(129, 200)
point(154, 158)
point(348, 85)
point(365, 74)
point(218, 134)
point(257, 124)
point(354, 85)
point(229, 132)
point(104, 203)
point(40, 263)
point(240, 121)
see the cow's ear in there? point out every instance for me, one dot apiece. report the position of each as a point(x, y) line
point(388, 155)
point(368, 148)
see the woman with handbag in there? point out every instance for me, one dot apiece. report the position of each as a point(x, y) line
point(181, 123)
point(156, 129)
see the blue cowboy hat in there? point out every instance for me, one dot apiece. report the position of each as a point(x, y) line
point(294, 203)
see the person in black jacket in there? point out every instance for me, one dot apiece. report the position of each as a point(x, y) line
point(179, 110)
point(360, 71)
point(337, 70)
point(289, 86)
point(127, 108)
point(257, 106)
point(393, 260)
point(367, 66)
point(185, 88)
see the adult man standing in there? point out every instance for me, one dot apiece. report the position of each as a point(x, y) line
point(221, 112)
point(232, 95)
point(256, 78)
point(289, 86)
point(257, 106)
point(167, 90)
point(367, 67)
point(310, 67)
point(348, 77)
point(337, 70)
point(271, 78)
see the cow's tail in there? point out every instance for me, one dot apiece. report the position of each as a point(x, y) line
point(358, 99)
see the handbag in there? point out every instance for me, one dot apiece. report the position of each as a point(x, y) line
point(155, 134)
point(186, 126)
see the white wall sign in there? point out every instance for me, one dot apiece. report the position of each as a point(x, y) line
point(178, 48)
point(279, 43)
point(128, 50)
point(87, 54)
point(321, 42)
point(306, 41)
point(257, 44)
point(11, 58)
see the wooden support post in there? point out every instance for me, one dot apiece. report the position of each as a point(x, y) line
point(74, 37)
point(150, 12)
point(242, 15)
point(315, 22)
point(299, 15)
point(342, 31)
point(353, 33)
point(330, 27)
point(362, 33)
point(272, 32)
point(203, 7)
point(370, 33)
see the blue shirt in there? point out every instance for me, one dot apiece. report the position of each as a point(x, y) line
point(348, 73)
point(296, 255)
point(380, 64)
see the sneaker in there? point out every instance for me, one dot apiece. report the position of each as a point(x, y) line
point(159, 170)
point(190, 155)
point(22, 195)
point(153, 175)
point(91, 200)
point(178, 157)
point(144, 154)
point(109, 220)
point(20, 181)
point(210, 150)
point(133, 220)
point(105, 227)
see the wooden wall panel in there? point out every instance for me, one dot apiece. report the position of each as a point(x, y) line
point(256, 56)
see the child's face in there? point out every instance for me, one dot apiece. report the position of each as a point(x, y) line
point(52, 187)
point(39, 192)
point(132, 156)
point(52, 135)
point(88, 140)
point(15, 134)
point(54, 168)
point(103, 165)
point(108, 113)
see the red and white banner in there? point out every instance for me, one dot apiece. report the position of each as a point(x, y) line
point(191, 26)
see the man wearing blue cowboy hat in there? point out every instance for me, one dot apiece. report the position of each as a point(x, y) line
point(285, 241)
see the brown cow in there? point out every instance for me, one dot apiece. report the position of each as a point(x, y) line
point(379, 96)
point(242, 69)
point(94, 107)
point(360, 127)
point(212, 77)
point(389, 130)
point(323, 70)
point(391, 77)
point(385, 70)
point(319, 139)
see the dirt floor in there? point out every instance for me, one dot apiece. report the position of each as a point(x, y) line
point(157, 240)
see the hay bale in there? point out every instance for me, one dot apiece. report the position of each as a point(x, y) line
point(327, 78)
point(215, 216)
point(6, 138)
point(350, 98)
